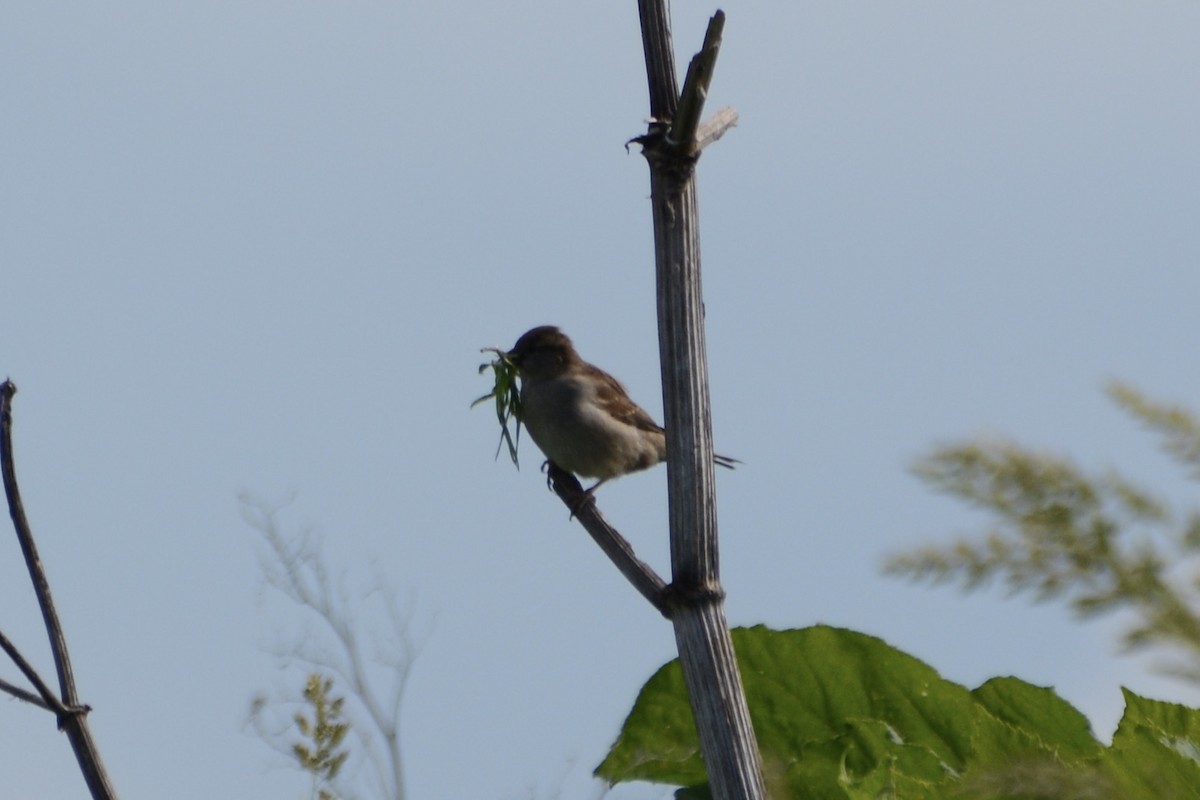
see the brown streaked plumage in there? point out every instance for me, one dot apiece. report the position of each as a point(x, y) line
point(580, 416)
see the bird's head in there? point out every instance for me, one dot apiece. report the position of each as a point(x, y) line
point(542, 353)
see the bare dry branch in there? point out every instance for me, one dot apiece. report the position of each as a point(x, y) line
point(706, 655)
point(715, 127)
point(615, 546)
point(71, 713)
point(45, 697)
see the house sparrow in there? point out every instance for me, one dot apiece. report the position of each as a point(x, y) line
point(580, 416)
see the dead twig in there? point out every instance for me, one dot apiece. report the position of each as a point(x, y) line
point(71, 714)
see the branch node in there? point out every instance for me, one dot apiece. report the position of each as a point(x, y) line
point(68, 713)
point(678, 596)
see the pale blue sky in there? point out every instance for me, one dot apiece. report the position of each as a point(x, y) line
point(257, 246)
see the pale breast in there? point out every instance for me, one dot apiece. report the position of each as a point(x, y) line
point(565, 421)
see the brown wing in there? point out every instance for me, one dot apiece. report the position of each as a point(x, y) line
point(615, 400)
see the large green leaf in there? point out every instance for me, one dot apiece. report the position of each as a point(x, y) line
point(1042, 713)
point(845, 716)
point(1156, 750)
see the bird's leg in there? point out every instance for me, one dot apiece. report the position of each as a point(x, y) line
point(549, 467)
point(595, 486)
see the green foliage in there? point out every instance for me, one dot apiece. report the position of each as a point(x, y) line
point(1178, 427)
point(1156, 749)
point(372, 677)
point(844, 716)
point(319, 753)
point(1096, 538)
point(508, 400)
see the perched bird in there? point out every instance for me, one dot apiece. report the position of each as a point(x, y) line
point(580, 416)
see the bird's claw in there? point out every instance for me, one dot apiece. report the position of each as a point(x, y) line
point(549, 468)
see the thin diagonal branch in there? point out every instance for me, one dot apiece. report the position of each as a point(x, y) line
point(72, 716)
point(615, 546)
point(682, 133)
point(37, 573)
point(715, 127)
point(47, 698)
point(21, 694)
